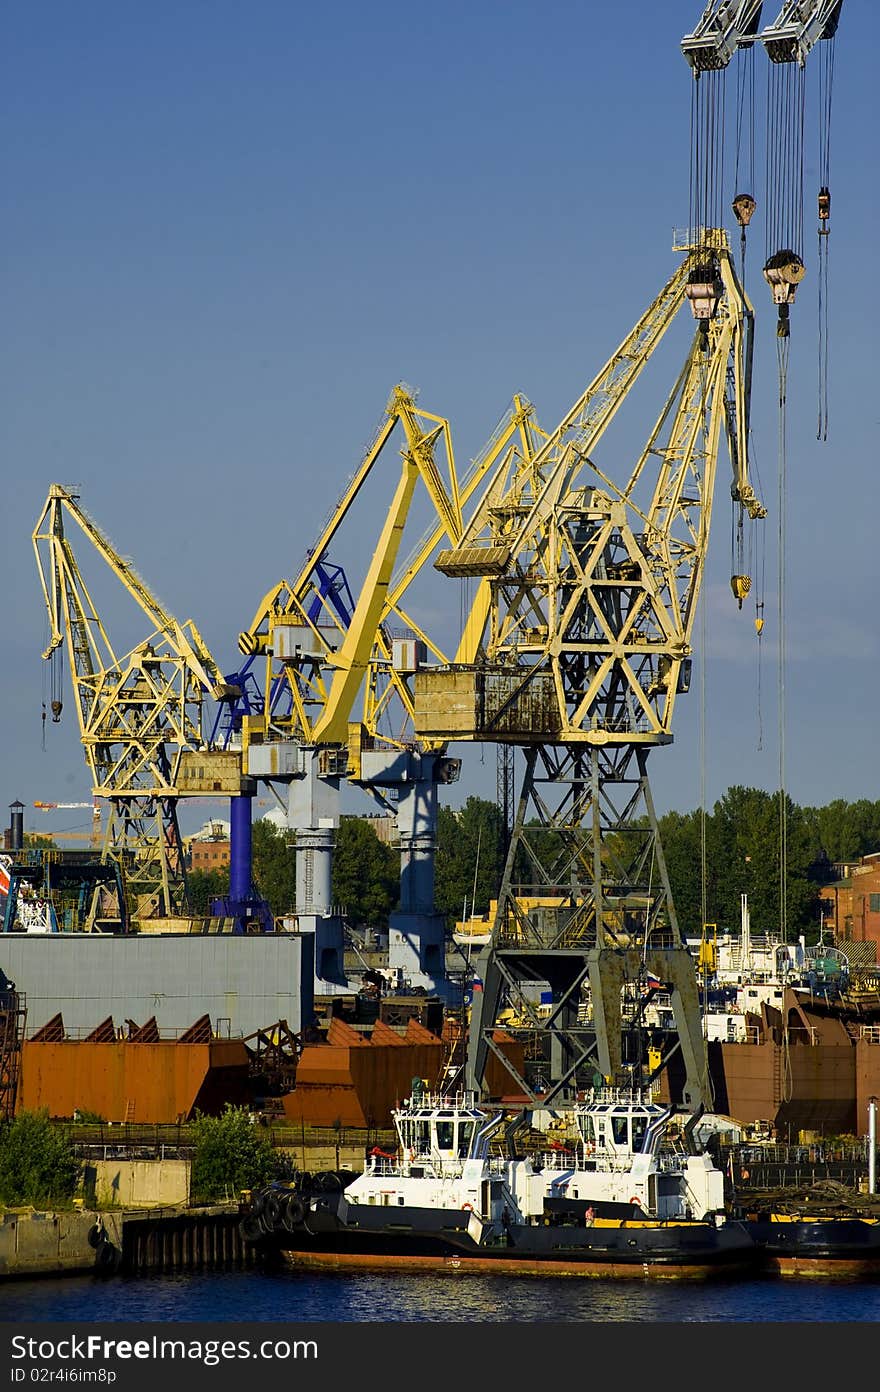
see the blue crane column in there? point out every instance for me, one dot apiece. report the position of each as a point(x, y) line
point(416, 931)
point(250, 913)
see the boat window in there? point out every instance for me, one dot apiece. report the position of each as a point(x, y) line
point(639, 1127)
point(445, 1131)
point(465, 1136)
point(415, 1137)
point(620, 1129)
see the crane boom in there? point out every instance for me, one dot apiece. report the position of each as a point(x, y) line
point(50, 806)
point(50, 529)
point(640, 554)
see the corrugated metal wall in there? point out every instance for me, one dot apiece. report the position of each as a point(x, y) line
point(243, 983)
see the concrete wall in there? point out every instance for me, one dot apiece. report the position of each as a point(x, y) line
point(33, 1244)
point(243, 983)
point(137, 1183)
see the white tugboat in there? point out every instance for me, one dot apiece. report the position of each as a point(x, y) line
point(621, 1206)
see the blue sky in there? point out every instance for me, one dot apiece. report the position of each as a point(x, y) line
point(229, 230)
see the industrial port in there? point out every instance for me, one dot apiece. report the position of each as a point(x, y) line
point(541, 607)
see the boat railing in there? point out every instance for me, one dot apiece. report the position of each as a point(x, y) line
point(440, 1101)
point(605, 1095)
point(384, 1167)
point(559, 1162)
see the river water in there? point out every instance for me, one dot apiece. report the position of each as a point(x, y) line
point(231, 1296)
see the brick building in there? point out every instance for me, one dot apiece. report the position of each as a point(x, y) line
point(208, 849)
point(208, 855)
point(851, 904)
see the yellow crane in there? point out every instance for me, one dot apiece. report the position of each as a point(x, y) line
point(328, 658)
point(576, 648)
point(140, 712)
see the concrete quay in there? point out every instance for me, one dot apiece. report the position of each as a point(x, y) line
point(129, 1242)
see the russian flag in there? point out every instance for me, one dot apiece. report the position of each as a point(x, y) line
point(477, 984)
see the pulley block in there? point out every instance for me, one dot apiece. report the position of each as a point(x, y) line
point(740, 584)
point(743, 207)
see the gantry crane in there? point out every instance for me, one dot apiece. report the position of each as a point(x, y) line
point(325, 650)
point(576, 648)
point(140, 712)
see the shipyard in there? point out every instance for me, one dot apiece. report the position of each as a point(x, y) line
point(481, 875)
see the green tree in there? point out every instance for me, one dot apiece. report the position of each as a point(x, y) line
point(274, 866)
point(37, 1163)
point(468, 842)
point(205, 885)
point(846, 830)
point(366, 873)
point(681, 840)
point(229, 1155)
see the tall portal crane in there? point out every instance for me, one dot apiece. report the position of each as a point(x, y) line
point(577, 646)
point(326, 655)
point(140, 713)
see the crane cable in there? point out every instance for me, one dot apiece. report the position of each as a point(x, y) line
point(707, 153)
point(704, 893)
point(786, 1070)
point(782, 351)
point(826, 81)
point(759, 562)
point(784, 266)
point(743, 202)
point(705, 1074)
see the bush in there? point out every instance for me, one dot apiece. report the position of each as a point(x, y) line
point(37, 1163)
point(229, 1155)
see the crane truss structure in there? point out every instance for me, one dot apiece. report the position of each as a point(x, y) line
point(577, 645)
point(140, 712)
point(323, 655)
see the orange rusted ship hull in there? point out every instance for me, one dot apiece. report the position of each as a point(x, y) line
point(155, 1081)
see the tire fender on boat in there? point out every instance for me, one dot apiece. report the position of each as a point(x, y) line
point(294, 1212)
